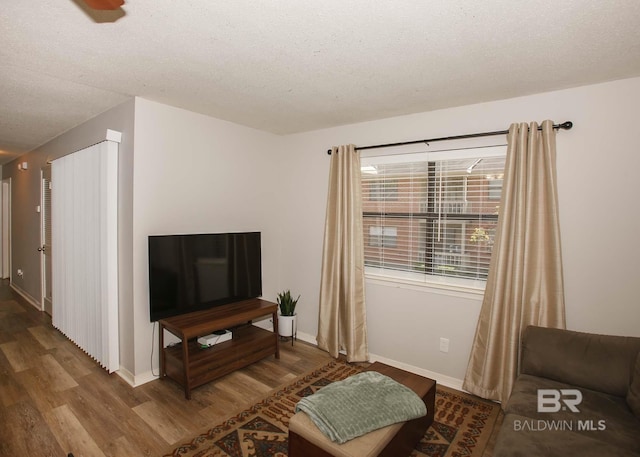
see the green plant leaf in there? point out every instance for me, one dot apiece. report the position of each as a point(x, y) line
point(286, 303)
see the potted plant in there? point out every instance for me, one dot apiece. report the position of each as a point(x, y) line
point(287, 315)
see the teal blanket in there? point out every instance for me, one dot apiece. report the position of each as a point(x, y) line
point(359, 404)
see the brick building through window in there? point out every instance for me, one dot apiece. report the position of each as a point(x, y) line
point(432, 217)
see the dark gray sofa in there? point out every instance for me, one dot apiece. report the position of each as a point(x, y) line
point(603, 370)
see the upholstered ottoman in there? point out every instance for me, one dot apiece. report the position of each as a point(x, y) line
point(397, 440)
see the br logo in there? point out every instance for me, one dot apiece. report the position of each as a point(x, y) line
point(554, 400)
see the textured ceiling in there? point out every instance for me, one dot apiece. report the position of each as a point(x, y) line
point(294, 65)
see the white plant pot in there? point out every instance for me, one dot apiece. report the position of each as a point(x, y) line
point(287, 325)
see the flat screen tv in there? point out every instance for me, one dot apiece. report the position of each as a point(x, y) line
point(195, 272)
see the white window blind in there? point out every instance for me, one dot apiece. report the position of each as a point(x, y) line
point(432, 215)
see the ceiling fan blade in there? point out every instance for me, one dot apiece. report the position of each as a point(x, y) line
point(104, 4)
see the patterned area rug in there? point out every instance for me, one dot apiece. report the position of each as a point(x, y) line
point(462, 425)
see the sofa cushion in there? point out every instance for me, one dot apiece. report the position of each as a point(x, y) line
point(601, 417)
point(599, 362)
point(519, 442)
point(633, 396)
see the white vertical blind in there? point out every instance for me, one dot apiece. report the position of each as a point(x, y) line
point(432, 214)
point(85, 263)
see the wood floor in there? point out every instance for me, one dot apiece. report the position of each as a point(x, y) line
point(55, 400)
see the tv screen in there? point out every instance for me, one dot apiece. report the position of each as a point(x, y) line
point(195, 272)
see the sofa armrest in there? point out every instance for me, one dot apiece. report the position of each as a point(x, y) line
point(598, 362)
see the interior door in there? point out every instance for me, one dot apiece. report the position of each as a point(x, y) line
point(45, 248)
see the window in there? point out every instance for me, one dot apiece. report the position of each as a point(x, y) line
point(383, 190)
point(383, 237)
point(432, 216)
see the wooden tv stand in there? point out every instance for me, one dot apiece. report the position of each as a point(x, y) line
point(191, 366)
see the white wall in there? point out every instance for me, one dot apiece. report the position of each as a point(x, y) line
point(193, 173)
point(189, 173)
point(598, 188)
point(197, 174)
point(25, 196)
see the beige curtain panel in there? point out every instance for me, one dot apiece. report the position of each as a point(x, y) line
point(525, 283)
point(342, 322)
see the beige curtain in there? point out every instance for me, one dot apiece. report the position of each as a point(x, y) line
point(525, 285)
point(342, 322)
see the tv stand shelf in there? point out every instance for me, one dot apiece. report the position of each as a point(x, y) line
point(191, 366)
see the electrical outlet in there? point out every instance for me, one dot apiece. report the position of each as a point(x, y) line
point(20, 272)
point(444, 344)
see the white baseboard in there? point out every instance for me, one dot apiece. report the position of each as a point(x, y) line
point(136, 381)
point(127, 376)
point(441, 379)
point(267, 324)
point(307, 338)
point(28, 298)
point(448, 381)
